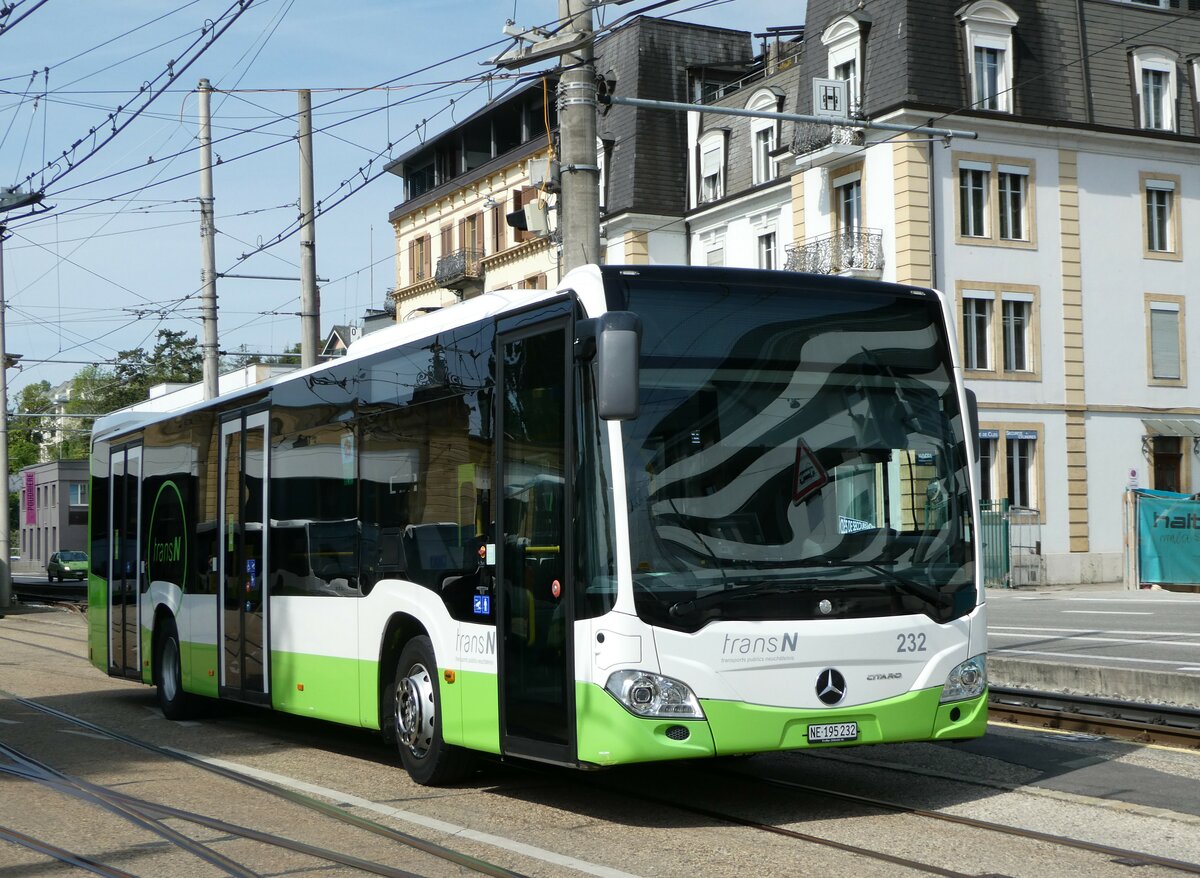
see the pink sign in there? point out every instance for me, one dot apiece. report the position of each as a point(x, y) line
point(30, 499)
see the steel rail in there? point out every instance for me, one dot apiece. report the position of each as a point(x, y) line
point(467, 861)
point(1136, 858)
point(153, 809)
point(33, 769)
point(1145, 723)
point(61, 854)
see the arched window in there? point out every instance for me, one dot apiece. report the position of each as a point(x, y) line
point(844, 42)
point(988, 38)
point(764, 134)
point(1156, 86)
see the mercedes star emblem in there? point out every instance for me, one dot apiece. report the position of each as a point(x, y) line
point(831, 686)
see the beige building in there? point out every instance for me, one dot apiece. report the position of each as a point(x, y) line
point(452, 237)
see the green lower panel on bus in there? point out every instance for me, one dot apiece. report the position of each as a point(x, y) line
point(610, 735)
point(200, 668)
point(471, 711)
point(322, 686)
point(914, 716)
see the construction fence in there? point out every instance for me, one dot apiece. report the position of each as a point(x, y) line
point(1011, 542)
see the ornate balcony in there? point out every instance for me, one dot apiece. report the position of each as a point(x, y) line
point(854, 252)
point(460, 270)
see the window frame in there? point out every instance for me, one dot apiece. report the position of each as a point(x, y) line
point(1166, 303)
point(1150, 181)
point(844, 44)
point(764, 168)
point(998, 336)
point(1155, 59)
point(715, 141)
point(989, 24)
point(999, 473)
point(993, 167)
point(851, 174)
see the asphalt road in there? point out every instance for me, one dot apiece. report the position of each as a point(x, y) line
point(1098, 626)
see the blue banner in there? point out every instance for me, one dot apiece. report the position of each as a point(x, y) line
point(1168, 537)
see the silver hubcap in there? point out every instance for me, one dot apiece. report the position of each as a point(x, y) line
point(170, 669)
point(414, 710)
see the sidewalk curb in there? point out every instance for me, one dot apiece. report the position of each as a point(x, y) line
point(1122, 684)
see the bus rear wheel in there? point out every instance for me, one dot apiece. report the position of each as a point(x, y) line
point(168, 676)
point(417, 720)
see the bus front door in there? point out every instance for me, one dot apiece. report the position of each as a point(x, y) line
point(242, 617)
point(536, 604)
point(124, 565)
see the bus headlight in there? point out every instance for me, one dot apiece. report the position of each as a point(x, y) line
point(968, 680)
point(646, 694)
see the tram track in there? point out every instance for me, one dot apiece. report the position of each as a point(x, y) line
point(154, 812)
point(151, 814)
point(1144, 723)
point(1124, 856)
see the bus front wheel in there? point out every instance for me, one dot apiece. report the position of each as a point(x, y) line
point(417, 721)
point(168, 675)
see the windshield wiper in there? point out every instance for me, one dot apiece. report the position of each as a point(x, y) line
point(680, 609)
point(927, 593)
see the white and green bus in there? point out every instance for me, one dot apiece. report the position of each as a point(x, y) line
point(657, 513)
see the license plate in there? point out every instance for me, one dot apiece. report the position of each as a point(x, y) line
point(831, 733)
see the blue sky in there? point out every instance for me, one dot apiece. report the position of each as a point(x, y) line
point(119, 255)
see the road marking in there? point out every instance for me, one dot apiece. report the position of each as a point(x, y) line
point(433, 823)
point(1187, 669)
point(1106, 613)
point(85, 734)
point(1191, 644)
point(1100, 658)
point(1048, 630)
point(10, 722)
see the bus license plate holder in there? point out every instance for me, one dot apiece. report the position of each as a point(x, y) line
point(832, 733)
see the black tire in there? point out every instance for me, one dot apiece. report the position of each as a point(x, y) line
point(49, 577)
point(168, 676)
point(417, 719)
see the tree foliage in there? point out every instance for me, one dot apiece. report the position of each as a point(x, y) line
point(95, 390)
point(26, 434)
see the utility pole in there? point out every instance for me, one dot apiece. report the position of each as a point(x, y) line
point(208, 248)
point(10, 199)
point(579, 205)
point(310, 296)
point(5, 554)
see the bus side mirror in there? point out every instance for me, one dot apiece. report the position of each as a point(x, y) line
point(973, 422)
point(618, 340)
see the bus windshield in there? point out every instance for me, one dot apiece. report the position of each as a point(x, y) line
point(799, 453)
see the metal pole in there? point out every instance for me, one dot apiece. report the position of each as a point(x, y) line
point(579, 217)
point(835, 121)
point(5, 572)
point(310, 296)
point(208, 249)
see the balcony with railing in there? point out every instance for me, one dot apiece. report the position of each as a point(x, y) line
point(818, 145)
point(851, 252)
point(460, 270)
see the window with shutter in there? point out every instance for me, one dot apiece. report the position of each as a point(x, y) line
point(1165, 335)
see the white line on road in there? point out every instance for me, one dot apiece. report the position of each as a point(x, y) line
point(1077, 656)
point(1190, 644)
point(499, 841)
point(1105, 613)
point(1050, 630)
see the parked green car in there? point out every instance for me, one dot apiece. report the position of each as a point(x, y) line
point(67, 564)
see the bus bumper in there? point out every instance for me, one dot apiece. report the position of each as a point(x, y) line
point(609, 735)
